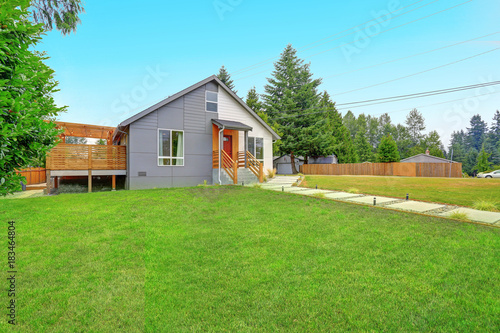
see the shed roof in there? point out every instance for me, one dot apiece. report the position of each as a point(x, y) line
point(429, 158)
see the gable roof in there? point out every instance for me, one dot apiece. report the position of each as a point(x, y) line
point(190, 89)
point(429, 157)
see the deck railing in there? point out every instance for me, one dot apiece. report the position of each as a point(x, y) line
point(231, 166)
point(87, 157)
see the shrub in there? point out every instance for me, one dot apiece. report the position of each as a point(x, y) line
point(353, 190)
point(257, 185)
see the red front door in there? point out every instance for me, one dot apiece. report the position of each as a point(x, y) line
point(228, 145)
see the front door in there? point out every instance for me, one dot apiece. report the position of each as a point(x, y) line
point(228, 145)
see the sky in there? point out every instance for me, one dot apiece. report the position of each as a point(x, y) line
point(126, 57)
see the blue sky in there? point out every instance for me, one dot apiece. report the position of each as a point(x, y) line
point(124, 58)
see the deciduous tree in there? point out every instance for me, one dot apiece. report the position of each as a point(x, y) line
point(64, 15)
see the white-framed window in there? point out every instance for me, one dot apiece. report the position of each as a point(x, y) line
point(170, 147)
point(212, 101)
point(256, 147)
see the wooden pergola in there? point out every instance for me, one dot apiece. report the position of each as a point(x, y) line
point(86, 160)
point(86, 131)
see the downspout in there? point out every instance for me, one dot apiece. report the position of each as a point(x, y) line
point(220, 153)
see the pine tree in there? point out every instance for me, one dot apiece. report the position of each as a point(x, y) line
point(476, 133)
point(388, 150)
point(289, 96)
point(432, 141)
point(495, 127)
point(225, 77)
point(482, 161)
point(343, 147)
point(363, 147)
point(415, 123)
point(253, 100)
point(351, 123)
point(403, 141)
point(469, 165)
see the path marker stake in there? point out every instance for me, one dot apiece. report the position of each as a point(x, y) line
point(375, 201)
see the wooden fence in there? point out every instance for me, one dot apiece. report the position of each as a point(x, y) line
point(34, 175)
point(385, 169)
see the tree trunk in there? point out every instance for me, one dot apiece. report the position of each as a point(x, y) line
point(292, 160)
point(306, 160)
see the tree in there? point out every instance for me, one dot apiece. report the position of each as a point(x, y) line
point(415, 123)
point(482, 161)
point(63, 14)
point(253, 100)
point(432, 141)
point(225, 77)
point(363, 147)
point(351, 123)
point(476, 132)
point(74, 140)
point(289, 96)
point(343, 147)
point(457, 147)
point(495, 127)
point(388, 150)
point(372, 134)
point(403, 141)
point(26, 102)
point(102, 142)
point(469, 165)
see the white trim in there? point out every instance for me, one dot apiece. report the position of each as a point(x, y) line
point(207, 101)
point(158, 157)
point(255, 147)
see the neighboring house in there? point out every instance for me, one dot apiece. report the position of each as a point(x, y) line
point(425, 158)
point(179, 141)
point(283, 164)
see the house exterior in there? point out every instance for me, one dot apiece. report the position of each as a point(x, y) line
point(425, 158)
point(182, 140)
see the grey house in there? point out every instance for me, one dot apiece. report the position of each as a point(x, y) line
point(182, 140)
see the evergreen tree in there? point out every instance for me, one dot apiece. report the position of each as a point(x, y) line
point(469, 165)
point(495, 127)
point(403, 141)
point(351, 123)
point(432, 141)
point(415, 123)
point(457, 147)
point(63, 14)
point(225, 77)
point(342, 142)
point(363, 147)
point(476, 133)
point(253, 100)
point(388, 150)
point(482, 161)
point(385, 126)
point(373, 134)
point(289, 96)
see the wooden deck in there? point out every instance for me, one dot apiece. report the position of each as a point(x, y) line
point(87, 157)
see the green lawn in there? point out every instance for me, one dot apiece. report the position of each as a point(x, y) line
point(248, 260)
point(455, 191)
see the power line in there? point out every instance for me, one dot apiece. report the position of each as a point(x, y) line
point(370, 36)
point(418, 73)
point(304, 48)
point(411, 56)
point(393, 99)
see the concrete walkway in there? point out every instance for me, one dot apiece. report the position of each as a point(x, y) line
point(289, 184)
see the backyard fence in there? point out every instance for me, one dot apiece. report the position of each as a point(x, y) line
point(34, 175)
point(385, 169)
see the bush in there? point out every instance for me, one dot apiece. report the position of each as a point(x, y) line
point(271, 173)
point(459, 216)
point(353, 190)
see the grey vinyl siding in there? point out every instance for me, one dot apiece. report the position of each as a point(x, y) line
point(187, 113)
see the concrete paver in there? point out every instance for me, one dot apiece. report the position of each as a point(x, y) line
point(313, 191)
point(416, 206)
point(476, 215)
point(369, 200)
point(341, 195)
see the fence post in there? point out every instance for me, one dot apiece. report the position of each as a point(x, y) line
point(261, 173)
point(235, 168)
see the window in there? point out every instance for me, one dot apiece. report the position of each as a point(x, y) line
point(171, 147)
point(212, 99)
point(256, 147)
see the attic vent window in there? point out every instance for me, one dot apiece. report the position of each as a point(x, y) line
point(212, 101)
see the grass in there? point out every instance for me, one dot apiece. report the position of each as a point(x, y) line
point(226, 259)
point(459, 216)
point(353, 190)
point(490, 206)
point(455, 191)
